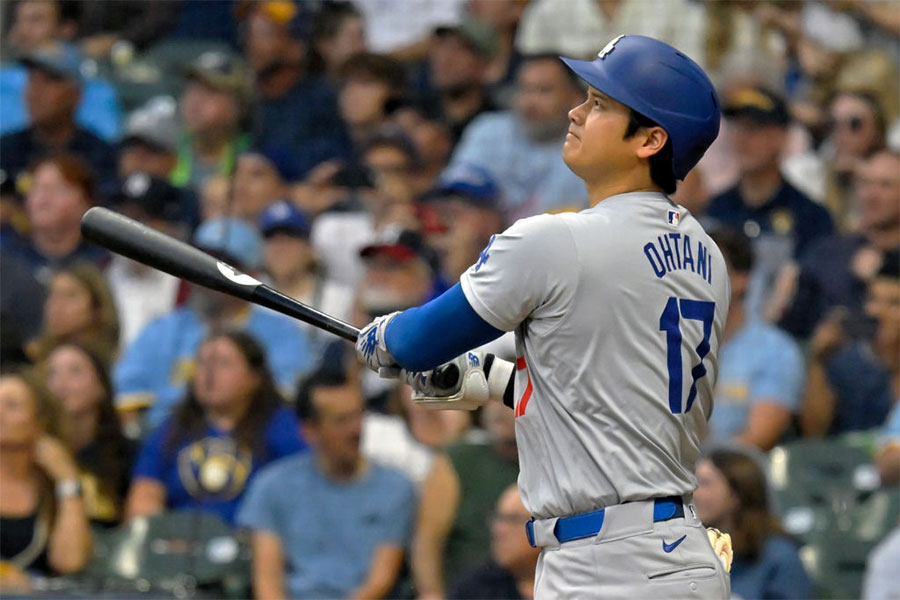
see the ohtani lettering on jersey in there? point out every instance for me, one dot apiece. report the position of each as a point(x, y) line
point(675, 252)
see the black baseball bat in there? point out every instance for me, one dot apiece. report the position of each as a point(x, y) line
point(155, 249)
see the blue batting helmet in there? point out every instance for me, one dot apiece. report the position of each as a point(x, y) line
point(659, 82)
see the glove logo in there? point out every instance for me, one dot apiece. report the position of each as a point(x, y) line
point(673, 545)
point(473, 360)
point(370, 342)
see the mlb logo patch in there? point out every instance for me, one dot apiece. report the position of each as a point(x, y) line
point(674, 217)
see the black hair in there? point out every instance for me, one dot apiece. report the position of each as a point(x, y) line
point(393, 137)
point(735, 247)
point(189, 419)
point(890, 265)
point(327, 376)
point(661, 162)
point(326, 24)
point(553, 57)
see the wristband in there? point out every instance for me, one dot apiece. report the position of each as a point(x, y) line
point(68, 488)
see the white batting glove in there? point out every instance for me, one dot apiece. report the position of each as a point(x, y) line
point(721, 543)
point(470, 389)
point(372, 350)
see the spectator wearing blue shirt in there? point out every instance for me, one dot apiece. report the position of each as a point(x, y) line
point(294, 110)
point(155, 367)
point(852, 384)
point(328, 524)
point(521, 148)
point(231, 423)
point(732, 495)
point(54, 89)
point(780, 220)
point(761, 368)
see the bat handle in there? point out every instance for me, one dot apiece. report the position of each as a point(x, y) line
point(446, 376)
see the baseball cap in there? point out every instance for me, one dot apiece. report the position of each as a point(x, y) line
point(400, 244)
point(154, 125)
point(284, 217)
point(58, 59)
point(281, 159)
point(222, 71)
point(756, 104)
point(476, 34)
point(154, 197)
point(469, 182)
point(232, 239)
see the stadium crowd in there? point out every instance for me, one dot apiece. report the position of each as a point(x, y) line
point(358, 156)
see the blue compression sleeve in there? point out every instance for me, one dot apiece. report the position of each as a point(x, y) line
point(425, 337)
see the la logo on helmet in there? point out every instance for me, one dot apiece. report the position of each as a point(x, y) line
point(609, 47)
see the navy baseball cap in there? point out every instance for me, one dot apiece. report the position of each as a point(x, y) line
point(281, 159)
point(468, 182)
point(756, 104)
point(284, 217)
point(59, 60)
point(152, 197)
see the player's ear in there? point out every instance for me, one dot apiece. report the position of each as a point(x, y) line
point(655, 139)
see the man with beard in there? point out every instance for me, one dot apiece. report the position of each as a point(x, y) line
point(154, 369)
point(521, 148)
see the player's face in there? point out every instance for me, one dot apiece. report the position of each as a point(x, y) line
point(713, 498)
point(595, 144)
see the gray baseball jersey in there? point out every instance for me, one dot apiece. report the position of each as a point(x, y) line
point(618, 311)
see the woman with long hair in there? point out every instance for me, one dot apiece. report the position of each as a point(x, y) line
point(43, 525)
point(79, 308)
point(231, 423)
point(79, 378)
point(732, 495)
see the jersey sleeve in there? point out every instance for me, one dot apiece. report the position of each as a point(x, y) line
point(531, 266)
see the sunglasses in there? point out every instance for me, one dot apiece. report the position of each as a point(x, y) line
point(854, 124)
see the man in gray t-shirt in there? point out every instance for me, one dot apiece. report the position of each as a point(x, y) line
point(618, 314)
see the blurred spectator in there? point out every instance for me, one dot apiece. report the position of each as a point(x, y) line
point(215, 198)
point(406, 35)
point(382, 200)
point(328, 524)
point(780, 221)
point(887, 458)
point(262, 177)
point(38, 25)
point(522, 148)
point(834, 270)
point(484, 469)
point(20, 320)
point(579, 28)
point(432, 139)
point(399, 272)
point(43, 525)
point(760, 380)
point(455, 91)
point(853, 383)
point(856, 128)
point(143, 293)
point(732, 495)
point(231, 423)
point(459, 217)
point(215, 108)
point(503, 16)
point(510, 572)
point(294, 110)
point(150, 143)
point(60, 192)
point(79, 308)
point(153, 370)
point(291, 264)
point(52, 94)
point(370, 87)
point(336, 34)
point(103, 23)
point(90, 426)
point(881, 569)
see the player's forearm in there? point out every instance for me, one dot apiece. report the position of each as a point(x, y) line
point(422, 338)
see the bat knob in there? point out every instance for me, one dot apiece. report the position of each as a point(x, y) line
point(446, 376)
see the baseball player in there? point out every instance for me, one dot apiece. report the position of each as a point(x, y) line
point(618, 312)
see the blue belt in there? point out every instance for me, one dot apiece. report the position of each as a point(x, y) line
point(589, 524)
